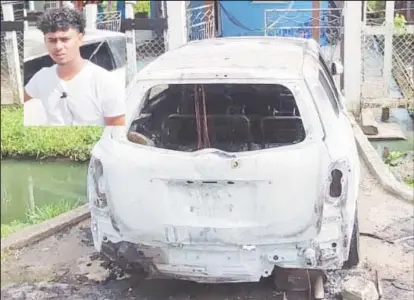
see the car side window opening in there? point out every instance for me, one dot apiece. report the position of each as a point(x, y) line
point(328, 91)
point(117, 46)
point(31, 67)
point(102, 57)
point(330, 79)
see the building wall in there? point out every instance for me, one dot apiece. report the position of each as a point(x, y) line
point(39, 5)
point(18, 7)
point(248, 17)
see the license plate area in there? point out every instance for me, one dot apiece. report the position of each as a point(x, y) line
point(228, 199)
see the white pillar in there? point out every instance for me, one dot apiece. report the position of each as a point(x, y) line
point(91, 11)
point(177, 24)
point(26, 23)
point(131, 47)
point(31, 5)
point(129, 9)
point(352, 54)
point(388, 37)
point(12, 54)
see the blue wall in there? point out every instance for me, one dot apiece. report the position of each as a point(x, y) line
point(248, 18)
point(197, 3)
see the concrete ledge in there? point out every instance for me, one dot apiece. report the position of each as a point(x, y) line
point(379, 168)
point(35, 233)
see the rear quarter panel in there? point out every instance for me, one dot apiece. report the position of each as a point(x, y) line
point(341, 146)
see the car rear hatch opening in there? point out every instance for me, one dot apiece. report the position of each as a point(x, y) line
point(227, 117)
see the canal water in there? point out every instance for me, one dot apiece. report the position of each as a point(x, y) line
point(28, 183)
point(402, 118)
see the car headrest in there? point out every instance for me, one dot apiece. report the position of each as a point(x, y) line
point(282, 129)
point(179, 129)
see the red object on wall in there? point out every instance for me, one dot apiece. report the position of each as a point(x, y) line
point(80, 4)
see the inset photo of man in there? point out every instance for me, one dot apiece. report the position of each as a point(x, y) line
point(73, 76)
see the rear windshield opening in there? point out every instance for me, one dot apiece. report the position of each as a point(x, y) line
point(229, 117)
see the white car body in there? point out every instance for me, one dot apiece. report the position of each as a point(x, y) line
point(35, 50)
point(265, 208)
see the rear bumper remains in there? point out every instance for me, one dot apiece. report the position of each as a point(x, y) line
point(181, 232)
point(214, 263)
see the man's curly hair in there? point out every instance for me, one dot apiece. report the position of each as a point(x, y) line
point(61, 19)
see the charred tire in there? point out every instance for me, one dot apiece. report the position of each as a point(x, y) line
point(353, 257)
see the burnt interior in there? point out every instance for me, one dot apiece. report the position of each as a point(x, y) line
point(229, 117)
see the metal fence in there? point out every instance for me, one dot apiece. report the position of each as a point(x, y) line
point(387, 63)
point(6, 70)
point(11, 64)
point(200, 22)
point(150, 43)
point(150, 47)
point(107, 20)
point(403, 66)
point(12, 53)
point(323, 24)
point(110, 20)
point(18, 9)
point(51, 4)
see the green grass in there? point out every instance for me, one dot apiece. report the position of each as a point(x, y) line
point(410, 182)
point(38, 215)
point(394, 155)
point(8, 229)
point(142, 7)
point(50, 211)
point(70, 142)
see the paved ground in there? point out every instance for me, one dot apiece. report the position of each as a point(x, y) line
point(58, 263)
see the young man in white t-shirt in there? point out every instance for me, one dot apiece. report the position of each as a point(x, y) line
point(74, 91)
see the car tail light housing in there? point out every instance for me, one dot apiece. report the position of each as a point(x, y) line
point(96, 183)
point(337, 185)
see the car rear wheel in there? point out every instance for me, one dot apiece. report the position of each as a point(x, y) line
point(353, 257)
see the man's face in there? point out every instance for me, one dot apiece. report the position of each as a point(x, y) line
point(63, 46)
